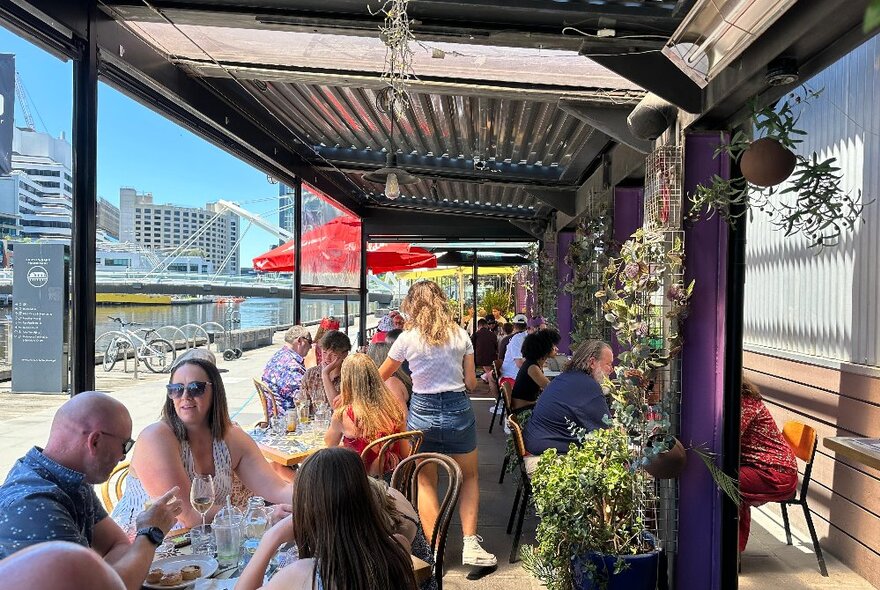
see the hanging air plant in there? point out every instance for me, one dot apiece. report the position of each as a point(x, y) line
point(813, 203)
point(395, 33)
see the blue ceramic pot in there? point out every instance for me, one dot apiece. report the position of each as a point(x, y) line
point(641, 573)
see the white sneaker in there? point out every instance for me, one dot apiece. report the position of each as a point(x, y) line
point(506, 428)
point(495, 409)
point(474, 554)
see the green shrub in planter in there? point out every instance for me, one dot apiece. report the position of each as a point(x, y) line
point(588, 501)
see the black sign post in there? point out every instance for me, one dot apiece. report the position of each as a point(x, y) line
point(39, 319)
point(7, 110)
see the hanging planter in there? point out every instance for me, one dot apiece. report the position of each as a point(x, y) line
point(766, 162)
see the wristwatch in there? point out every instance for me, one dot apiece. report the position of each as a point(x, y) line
point(153, 533)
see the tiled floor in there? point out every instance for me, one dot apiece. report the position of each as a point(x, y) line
point(768, 562)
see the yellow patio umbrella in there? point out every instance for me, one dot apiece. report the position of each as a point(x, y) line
point(452, 271)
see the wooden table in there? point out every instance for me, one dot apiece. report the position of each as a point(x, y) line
point(288, 457)
point(855, 449)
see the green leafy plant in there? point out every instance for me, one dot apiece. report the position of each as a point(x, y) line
point(588, 500)
point(496, 299)
point(812, 203)
point(587, 256)
point(546, 301)
point(872, 16)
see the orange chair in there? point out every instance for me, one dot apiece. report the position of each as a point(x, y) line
point(803, 441)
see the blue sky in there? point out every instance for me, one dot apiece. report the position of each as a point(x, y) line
point(142, 149)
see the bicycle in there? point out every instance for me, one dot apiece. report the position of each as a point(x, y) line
point(154, 352)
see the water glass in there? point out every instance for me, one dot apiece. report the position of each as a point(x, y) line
point(202, 538)
point(279, 426)
point(227, 534)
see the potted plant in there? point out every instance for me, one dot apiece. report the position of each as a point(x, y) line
point(591, 534)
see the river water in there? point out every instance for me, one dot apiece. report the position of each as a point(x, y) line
point(254, 312)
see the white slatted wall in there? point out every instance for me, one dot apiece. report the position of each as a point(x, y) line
point(824, 302)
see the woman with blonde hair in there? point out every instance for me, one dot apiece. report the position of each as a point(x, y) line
point(441, 360)
point(400, 383)
point(368, 411)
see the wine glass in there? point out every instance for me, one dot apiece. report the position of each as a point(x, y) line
point(201, 494)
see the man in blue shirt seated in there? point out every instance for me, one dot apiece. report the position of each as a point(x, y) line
point(575, 396)
point(49, 494)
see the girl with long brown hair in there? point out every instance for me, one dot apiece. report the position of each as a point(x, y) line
point(368, 411)
point(441, 358)
point(344, 541)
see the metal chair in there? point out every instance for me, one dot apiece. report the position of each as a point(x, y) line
point(114, 482)
point(523, 491)
point(412, 437)
point(267, 399)
point(506, 393)
point(496, 376)
point(406, 480)
point(803, 441)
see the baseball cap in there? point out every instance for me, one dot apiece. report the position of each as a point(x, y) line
point(520, 319)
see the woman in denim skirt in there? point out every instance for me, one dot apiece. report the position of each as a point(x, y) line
point(441, 357)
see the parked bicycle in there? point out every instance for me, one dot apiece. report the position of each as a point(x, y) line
point(154, 351)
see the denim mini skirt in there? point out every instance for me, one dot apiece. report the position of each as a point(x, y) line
point(447, 421)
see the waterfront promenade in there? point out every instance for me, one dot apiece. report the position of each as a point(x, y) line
point(768, 562)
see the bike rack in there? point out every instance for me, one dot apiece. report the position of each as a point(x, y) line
point(175, 330)
point(204, 327)
point(122, 336)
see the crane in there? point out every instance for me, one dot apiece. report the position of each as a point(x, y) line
point(22, 100)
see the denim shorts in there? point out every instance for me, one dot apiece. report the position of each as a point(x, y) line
point(446, 420)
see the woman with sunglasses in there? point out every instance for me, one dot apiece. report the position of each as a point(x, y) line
point(195, 436)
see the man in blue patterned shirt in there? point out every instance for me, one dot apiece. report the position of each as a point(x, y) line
point(49, 494)
point(285, 370)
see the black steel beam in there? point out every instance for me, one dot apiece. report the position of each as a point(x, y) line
point(85, 207)
point(363, 289)
point(564, 200)
point(609, 120)
point(533, 229)
point(450, 208)
point(297, 253)
point(655, 73)
point(356, 160)
point(57, 40)
point(420, 225)
point(586, 159)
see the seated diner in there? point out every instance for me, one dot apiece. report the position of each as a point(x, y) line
point(531, 381)
point(321, 383)
point(285, 370)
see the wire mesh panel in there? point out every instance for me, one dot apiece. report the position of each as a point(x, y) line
point(663, 188)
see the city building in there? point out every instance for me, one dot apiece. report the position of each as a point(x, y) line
point(36, 198)
point(108, 220)
point(211, 232)
point(317, 209)
point(127, 257)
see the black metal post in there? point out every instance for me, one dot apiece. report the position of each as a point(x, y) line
point(85, 207)
point(475, 279)
point(362, 291)
point(297, 252)
point(730, 434)
point(345, 314)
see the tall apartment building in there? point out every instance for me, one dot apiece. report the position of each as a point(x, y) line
point(165, 227)
point(317, 210)
point(36, 198)
point(108, 219)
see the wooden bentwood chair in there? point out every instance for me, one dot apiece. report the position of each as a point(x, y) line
point(267, 400)
point(507, 400)
point(523, 491)
point(499, 403)
point(114, 483)
point(803, 441)
point(411, 438)
point(406, 480)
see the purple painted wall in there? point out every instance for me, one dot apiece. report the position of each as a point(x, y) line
point(698, 564)
point(563, 273)
point(629, 211)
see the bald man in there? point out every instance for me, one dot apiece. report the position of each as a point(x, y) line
point(48, 494)
point(60, 566)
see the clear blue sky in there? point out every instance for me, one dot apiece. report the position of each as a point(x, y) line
point(142, 149)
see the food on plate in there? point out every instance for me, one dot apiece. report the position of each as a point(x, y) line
point(155, 575)
point(172, 579)
point(191, 572)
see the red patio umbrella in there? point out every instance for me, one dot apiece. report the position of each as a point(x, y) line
point(333, 247)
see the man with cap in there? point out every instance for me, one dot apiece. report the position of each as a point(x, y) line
point(49, 494)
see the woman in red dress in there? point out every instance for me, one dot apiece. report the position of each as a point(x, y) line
point(767, 466)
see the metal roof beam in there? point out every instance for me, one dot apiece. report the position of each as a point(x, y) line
point(534, 229)
point(655, 73)
point(609, 120)
point(418, 224)
point(439, 167)
point(564, 201)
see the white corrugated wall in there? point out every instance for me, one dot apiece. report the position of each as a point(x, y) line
point(823, 302)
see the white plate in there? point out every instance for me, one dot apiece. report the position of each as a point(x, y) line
point(209, 565)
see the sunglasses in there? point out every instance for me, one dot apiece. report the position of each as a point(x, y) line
point(127, 443)
point(193, 388)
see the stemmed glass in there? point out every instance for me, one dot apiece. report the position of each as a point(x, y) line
point(201, 494)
